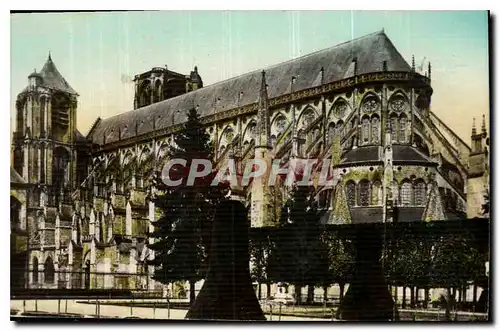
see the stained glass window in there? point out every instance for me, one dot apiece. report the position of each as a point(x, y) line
point(280, 124)
point(398, 104)
point(339, 128)
point(49, 271)
point(406, 194)
point(394, 129)
point(331, 132)
point(420, 193)
point(340, 109)
point(370, 105)
point(365, 130)
point(395, 194)
point(364, 193)
point(376, 193)
point(350, 192)
point(308, 118)
point(375, 129)
point(402, 129)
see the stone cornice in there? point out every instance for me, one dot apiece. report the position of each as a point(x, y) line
point(378, 77)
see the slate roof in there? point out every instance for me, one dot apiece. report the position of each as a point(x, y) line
point(370, 50)
point(369, 154)
point(16, 178)
point(362, 154)
point(52, 78)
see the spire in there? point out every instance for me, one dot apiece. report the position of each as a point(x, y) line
point(49, 58)
point(322, 75)
point(263, 114)
point(429, 70)
point(473, 126)
point(413, 63)
point(483, 126)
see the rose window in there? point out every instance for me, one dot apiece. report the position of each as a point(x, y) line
point(370, 105)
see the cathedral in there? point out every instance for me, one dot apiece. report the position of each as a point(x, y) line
point(81, 205)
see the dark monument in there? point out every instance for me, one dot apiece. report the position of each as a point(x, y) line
point(368, 297)
point(227, 293)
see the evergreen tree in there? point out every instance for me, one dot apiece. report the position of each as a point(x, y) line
point(182, 232)
point(299, 257)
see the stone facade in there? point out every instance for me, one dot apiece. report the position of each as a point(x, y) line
point(392, 158)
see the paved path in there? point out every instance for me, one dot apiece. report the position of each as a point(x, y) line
point(74, 307)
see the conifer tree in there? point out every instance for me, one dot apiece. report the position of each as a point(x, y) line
point(182, 232)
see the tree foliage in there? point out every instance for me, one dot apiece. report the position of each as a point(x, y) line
point(300, 257)
point(182, 233)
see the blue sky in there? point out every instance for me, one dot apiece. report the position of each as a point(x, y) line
point(98, 53)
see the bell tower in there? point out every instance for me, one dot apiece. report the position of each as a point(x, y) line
point(44, 152)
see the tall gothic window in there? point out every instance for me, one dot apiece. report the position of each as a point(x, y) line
point(48, 270)
point(420, 193)
point(350, 192)
point(395, 193)
point(42, 117)
point(364, 193)
point(35, 270)
point(376, 193)
point(365, 130)
point(331, 132)
point(394, 128)
point(280, 124)
point(339, 129)
point(375, 129)
point(402, 129)
point(406, 194)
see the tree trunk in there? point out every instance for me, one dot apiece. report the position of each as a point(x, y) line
point(459, 295)
point(341, 294)
point(298, 294)
point(403, 304)
point(412, 297)
point(228, 293)
point(426, 297)
point(310, 294)
point(192, 292)
point(474, 294)
point(325, 293)
point(448, 306)
point(268, 290)
point(260, 290)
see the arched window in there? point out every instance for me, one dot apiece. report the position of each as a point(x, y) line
point(331, 132)
point(339, 129)
point(48, 271)
point(402, 128)
point(350, 192)
point(395, 193)
point(158, 93)
point(376, 193)
point(280, 124)
point(364, 193)
point(406, 194)
point(420, 193)
point(35, 270)
point(42, 117)
point(394, 128)
point(273, 140)
point(365, 130)
point(375, 129)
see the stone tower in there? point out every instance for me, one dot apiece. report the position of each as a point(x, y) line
point(44, 144)
point(478, 171)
